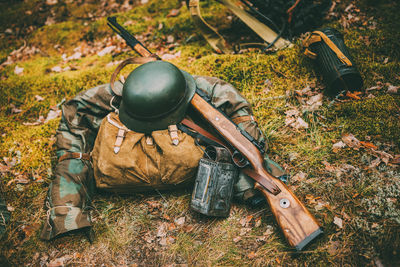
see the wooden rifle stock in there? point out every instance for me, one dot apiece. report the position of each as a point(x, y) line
point(298, 225)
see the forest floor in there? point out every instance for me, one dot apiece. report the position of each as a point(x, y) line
point(342, 153)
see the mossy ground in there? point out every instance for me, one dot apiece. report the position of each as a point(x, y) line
point(366, 199)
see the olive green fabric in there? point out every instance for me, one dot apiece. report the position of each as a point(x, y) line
point(69, 196)
point(142, 165)
point(155, 95)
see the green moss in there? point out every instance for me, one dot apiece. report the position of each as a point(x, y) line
point(67, 33)
point(377, 116)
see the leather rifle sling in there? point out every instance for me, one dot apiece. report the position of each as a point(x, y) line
point(268, 185)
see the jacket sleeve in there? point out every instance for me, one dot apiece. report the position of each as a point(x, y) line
point(232, 103)
point(69, 196)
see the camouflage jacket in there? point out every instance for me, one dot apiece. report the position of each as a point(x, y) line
point(69, 196)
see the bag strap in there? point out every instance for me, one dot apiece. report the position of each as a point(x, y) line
point(217, 42)
point(131, 60)
point(241, 119)
point(318, 36)
point(74, 155)
point(262, 30)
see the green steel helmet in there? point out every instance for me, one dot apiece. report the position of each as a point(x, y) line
point(154, 96)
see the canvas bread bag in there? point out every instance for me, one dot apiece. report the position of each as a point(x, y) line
point(126, 161)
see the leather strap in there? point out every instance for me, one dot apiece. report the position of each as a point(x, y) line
point(268, 185)
point(173, 133)
point(241, 119)
point(291, 9)
point(212, 36)
point(318, 36)
point(131, 60)
point(118, 140)
point(262, 30)
point(74, 155)
point(201, 131)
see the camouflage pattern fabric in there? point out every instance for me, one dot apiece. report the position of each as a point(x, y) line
point(69, 196)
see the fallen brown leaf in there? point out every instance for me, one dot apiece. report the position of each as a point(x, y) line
point(396, 160)
point(375, 163)
point(337, 146)
point(4, 168)
point(173, 13)
point(237, 239)
point(298, 177)
point(353, 95)
point(368, 145)
point(338, 221)
point(180, 221)
point(351, 141)
point(251, 255)
point(328, 166)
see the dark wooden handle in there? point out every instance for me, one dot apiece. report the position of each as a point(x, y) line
point(297, 223)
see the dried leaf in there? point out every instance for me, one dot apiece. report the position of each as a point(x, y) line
point(180, 221)
point(328, 166)
point(300, 123)
point(149, 238)
point(320, 205)
point(10, 208)
point(4, 168)
point(10, 162)
point(315, 101)
point(393, 89)
point(251, 255)
point(338, 222)
point(162, 230)
point(353, 95)
point(173, 13)
point(376, 87)
point(244, 231)
point(269, 231)
point(106, 50)
point(59, 262)
point(292, 112)
point(337, 146)
point(298, 177)
point(56, 69)
point(375, 163)
point(51, 2)
point(351, 141)
point(396, 160)
point(14, 109)
point(385, 157)
point(170, 39)
point(163, 241)
point(39, 98)
point(333, 247)
point(368, 145)
point(171, 56)
point(304, 91)
point(237, 239)
point(52, 115)
point(18, 70)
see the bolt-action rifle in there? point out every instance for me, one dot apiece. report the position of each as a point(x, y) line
point(298, 225)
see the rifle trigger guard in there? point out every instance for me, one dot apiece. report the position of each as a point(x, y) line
point(239, 160)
